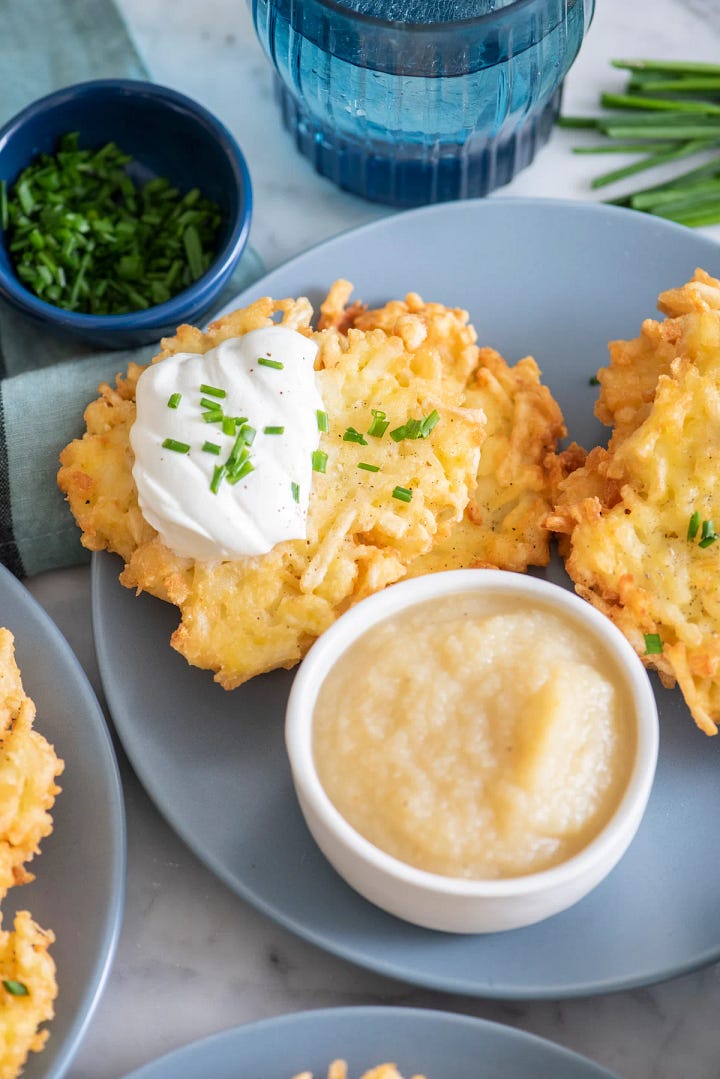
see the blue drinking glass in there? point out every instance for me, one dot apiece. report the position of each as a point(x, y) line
point(414, 101)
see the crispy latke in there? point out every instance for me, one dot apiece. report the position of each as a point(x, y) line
point(503, 525)
point(28, 769)
point(25, 962)
point(625, 514)
point(244, 617)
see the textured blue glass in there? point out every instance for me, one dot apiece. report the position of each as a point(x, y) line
point(415, 101)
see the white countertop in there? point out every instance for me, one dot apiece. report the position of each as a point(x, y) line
point(193, 958)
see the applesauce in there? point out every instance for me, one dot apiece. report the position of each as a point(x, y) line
point(478, 736)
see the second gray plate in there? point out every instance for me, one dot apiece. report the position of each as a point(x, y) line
point(557, 280)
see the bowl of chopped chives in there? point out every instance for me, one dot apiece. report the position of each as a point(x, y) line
point(124, 209)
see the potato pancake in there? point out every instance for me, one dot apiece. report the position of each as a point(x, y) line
point(28, 769)
point(503, 525)
point(27, 991)
point(242, 617)
point(637, 518)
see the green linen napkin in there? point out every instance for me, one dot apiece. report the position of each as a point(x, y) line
point(46, 381)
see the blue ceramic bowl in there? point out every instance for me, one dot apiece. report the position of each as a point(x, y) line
point(167, 134)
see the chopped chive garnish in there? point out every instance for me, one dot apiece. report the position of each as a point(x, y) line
point(213, 391)
point(211, 447)
point(17, 989)
point(593, 380)
point(708, 541)
point(403, 494)
point(429, 423)
point(218, 473)
point(4, 217)
point(177, 447)
point(239, 473)
point(248, 434)
point(708, 529)
point(273, 430)
point(205, 402)
point(84, 237)
point(653, 644)
point(228, 425)
point(351, 435)
point(379, 424)
point(295, 489)
point(693, 525)
point(398, 434)
point(174, 400)
point(368, 467)
point(271, 363)
point(319, 460)
point(322, 420)
point(214, 416)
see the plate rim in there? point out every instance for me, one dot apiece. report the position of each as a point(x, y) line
point(453, 984)
point(113, 916)
point(366, 1013)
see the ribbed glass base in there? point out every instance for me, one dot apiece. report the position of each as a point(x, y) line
point(416, 174)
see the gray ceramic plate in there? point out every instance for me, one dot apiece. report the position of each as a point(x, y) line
point(418, 1042)
point(559, 280)
point(80, 872)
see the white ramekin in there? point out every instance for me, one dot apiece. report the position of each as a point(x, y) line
point(449, 903)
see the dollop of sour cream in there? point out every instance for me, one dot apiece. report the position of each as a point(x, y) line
point(267, 377)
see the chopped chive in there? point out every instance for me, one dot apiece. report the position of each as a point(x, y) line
point(213, 391)
point(379, 424)
point(693, 525)
point(413, 428)
point(351, 435)
point(177, 447)
point(319, 460)
point(708, 529)
point(247, 434)
point(174, 400)
point(115, 247)
point(245, 468)
point(214, 416)
point(403, 494)
point(429, 423)
point(212, 447)
point(16, 989)
point(218, 473)
point(205, 402)
point(263, 362)
point(653, 644)
point(368, 467)
point(228, 425)
point(295, 489)
point(322, 420)
point(593, 381)
point(273, 430)
point(194, 251)
point(398, 434)
point(707, 541)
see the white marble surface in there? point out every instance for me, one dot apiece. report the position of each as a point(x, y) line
point(193, 958)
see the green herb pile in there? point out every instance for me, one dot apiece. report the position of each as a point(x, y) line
point(670, 111)
point(84, 237)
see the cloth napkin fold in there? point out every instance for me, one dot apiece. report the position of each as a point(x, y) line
point(46, 381)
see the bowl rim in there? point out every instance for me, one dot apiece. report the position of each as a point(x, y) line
point(200, 291)
point(334, 642)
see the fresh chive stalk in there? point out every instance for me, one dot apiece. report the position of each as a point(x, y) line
point(670, 110)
